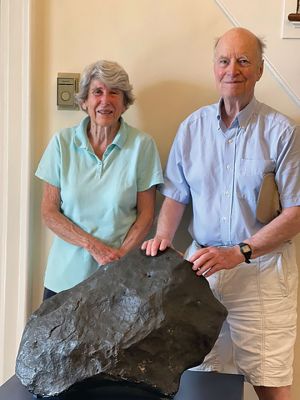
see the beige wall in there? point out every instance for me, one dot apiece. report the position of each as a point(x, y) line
point(165, 46)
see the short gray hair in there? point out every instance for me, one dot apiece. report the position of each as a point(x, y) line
point(111, 74)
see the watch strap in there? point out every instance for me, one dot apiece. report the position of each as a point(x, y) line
point(246, 250)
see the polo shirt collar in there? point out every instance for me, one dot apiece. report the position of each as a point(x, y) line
point(81, 139)
point(121, 135)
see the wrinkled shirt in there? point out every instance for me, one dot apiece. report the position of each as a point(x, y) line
point(220, 170)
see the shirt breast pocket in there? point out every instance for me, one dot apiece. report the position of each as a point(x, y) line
point(249, 175)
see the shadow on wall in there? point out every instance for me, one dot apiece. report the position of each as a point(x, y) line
point(163, 106)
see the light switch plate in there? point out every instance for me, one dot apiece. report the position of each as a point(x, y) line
point(67, 87)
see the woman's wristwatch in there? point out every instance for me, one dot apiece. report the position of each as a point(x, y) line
point(246, 250)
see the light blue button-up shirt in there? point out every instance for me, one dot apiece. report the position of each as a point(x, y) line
point(220, 170)
point(97, 195)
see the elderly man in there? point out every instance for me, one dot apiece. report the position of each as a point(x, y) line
point(218, 161)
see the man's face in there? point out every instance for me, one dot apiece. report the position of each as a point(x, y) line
point(237, 65)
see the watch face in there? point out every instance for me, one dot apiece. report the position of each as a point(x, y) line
point(246, 251)
point(246, 248)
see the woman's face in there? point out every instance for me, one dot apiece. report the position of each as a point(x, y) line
point(104, 105)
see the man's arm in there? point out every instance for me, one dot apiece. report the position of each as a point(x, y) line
point(284, 227)
point(168, 221)
point(281, 229)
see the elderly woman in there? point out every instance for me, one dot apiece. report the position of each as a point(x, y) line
point(100, 181)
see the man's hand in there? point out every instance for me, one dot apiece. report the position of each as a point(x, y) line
point(209, 260)
point(169, 218)
point(153, 245)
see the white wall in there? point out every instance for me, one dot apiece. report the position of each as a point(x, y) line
point(165, 46)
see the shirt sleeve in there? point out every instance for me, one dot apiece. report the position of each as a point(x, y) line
point(288, 168)
point(175, 185)
point(49, 168)
point(149, 166)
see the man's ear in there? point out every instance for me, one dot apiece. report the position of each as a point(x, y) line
point(261, 70)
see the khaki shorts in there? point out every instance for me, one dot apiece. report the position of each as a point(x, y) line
point(257, 339)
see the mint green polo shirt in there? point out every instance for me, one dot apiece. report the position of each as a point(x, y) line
point(97, 195)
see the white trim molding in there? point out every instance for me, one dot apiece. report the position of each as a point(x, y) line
point(14, 177)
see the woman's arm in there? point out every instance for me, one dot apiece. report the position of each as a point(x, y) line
point(143, 222)
point(70, 232)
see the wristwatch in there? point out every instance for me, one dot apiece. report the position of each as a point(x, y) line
point(246, 250)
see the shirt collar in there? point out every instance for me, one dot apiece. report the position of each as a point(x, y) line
point(122, 134)
point(243, 117)
point(81, 139)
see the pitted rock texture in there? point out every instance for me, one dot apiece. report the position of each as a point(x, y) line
point(141, 320)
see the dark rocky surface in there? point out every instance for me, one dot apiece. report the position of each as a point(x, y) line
point(138, 322)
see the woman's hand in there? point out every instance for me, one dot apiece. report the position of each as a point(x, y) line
point(70, 232)
point(104, 254)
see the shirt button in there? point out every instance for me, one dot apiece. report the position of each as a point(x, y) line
point(228, 167)
point(224, 219)
point(227, 193)
point(230, 141)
